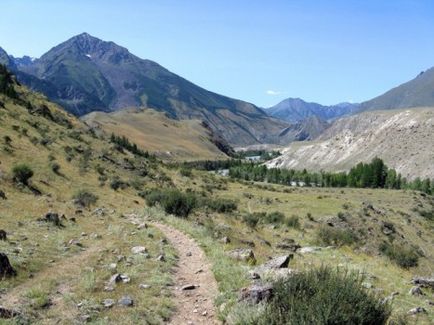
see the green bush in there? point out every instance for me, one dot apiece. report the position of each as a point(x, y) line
point(185, 172)
point(405, 257)
point(322, 296)
point(252, 219)
point(327, 235)
point(274, 217)
point(293, 222)
point(22, 173)
point(84, 198)
point(222, 205)
point(173, 201)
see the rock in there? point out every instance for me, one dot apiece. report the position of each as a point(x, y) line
point(416, 310)
point(6, 269)
point(278, 262)
point(163, 241)
point(309, 249)
point(225, 240)
point(3, 195)
point(424, 282)
point(108, 303)
point(3, 235)
point(139, 250)
point(161, 258)
point(126, 301)
point(7, 313)
point(189, 287)
point(113, 266)
point(292, 247)
point(256, 293)
point(243, 254)
point(125, 278)
point(142, 226)
point(367, 285)
point(188, 254)
point(75, 242)
point(416, 291)
point(144, 286)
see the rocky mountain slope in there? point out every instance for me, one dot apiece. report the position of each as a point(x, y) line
point(86, 74)
point(418, 92)
point(402, 138)
point(297, 110)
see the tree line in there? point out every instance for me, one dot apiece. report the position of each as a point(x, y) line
point(364, 175)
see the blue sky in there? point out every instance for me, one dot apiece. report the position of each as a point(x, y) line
point(259, 51)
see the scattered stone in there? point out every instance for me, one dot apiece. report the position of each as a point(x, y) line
point(3, 195)
point(225, 240)
point(309, 249)
point(189, 287)
point(416, 291)
point(53, 218)
point(126, 301)
point(416, 310)
point(7, 313)
point(247, 242)
point(139, 250)
point(198, 271)
point(113, 266)
point(144, 286)
point(85, 318)
point(424, 282)
point(278, 262)
point(3, 235)
point(367, 285)
point(204, 313)
point(142, 226)
point(243, 254)
point(125, 278)
point(75, 242)
point(6, 269)
point(188, 254)
point(108, 303)
point(163, 241)
point(161, 258)
point(73, 219)
point(83, 234)
point(256, 293)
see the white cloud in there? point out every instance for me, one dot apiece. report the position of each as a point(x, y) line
point(273, 92)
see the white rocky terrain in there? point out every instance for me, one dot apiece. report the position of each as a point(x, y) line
point(404, 139)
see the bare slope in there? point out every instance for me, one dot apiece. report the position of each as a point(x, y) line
point(403, 138)
point(155, 132)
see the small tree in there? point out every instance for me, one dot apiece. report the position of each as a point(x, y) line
point(22, 173)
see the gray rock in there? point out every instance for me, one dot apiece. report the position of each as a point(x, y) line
point(416, 291)
point(256, 293)
point(108, 303)
point(278, 262)
point(189, 287)
point(144, 286)
point(139, 250)
point(126, 301)
point(416, 310)
point(424, 282)
point(161, 258)
point(243, 254)
point(225, 240)
point(309, 249)
point(292, 247)
point(142, 226)
point(188, 254)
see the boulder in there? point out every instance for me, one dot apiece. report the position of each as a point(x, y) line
point(126, 301)
point(108, 303)
point(423, 282)
point(416, 291)
point(256, 293)
point(278, 262)
point(243, 254)
point(3, 235)
point(6, 269)
point(139, 250)
point(416, 310)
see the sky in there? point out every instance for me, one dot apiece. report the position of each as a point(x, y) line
point(325, 51)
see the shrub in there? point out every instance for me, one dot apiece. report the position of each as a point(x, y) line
point(322, 296)
point(405, 257)
point(117, 183)
point(252, 219)
point(222, 205)
point(327, 235)
point(7, 140)
point(84, 198)
point(274, 217)
point(185, 172)
point(55, 167)
point(22, 173)
point(293, 222)
point(173, 201)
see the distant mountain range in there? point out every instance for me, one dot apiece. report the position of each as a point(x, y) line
point(85, 74)
point(296, 110)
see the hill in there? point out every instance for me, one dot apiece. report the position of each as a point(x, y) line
point(414, 93)
point(86, 74)
point(402, 138)
point(155, 132)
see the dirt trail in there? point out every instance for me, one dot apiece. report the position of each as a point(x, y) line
point(194, 306)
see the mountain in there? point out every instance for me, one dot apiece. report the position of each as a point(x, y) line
point(85, 74)
point(296, 110)
point(402, 138)
point(418, 92)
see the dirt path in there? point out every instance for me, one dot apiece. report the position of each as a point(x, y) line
point(194, 306)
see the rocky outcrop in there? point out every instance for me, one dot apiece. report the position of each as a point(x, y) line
point(6, 269)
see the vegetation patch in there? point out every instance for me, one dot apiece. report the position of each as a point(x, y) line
point(404, 256)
